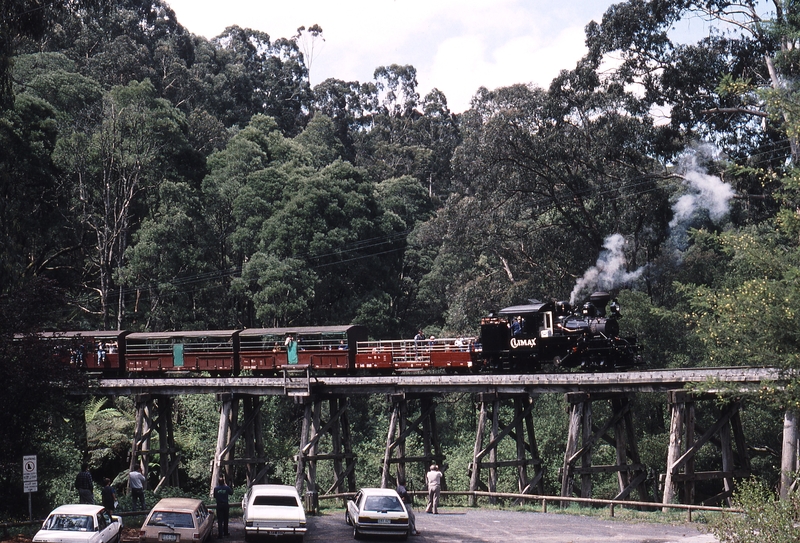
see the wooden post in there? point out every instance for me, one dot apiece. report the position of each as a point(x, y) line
point(141, 434)
point(674, 449)
point(349, 457)
point(689, 421)
point(586, 457)
point(387, 453)
point(475, 469)
point(167, 451)
point(788, 452)
point(336, 445)
point(522, 470)
point(493, 451)
point(222, 439)
point(574, 430)
point(301, 455)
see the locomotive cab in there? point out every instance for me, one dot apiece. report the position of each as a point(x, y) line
point(513, 340)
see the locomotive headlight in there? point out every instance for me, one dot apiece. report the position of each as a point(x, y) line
point(614, 308)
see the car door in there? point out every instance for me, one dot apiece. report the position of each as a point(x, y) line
point(352, 507)
point(205, 522)
point(108, 530)
point(245, 502)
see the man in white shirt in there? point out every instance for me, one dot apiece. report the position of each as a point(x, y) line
point(434, 481)
point(137, 483)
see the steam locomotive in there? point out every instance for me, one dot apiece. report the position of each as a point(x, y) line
point(539, 334)
point(523, 338)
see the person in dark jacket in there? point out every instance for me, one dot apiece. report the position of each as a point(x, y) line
point(85, 485)
point(108, 495)
point(221, 493)
point(408, 500)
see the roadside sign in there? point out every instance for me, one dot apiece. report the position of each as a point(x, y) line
point(30, 486)
point(29, 468)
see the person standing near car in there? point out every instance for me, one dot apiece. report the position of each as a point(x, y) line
point(434, 480)
point(221, 493)
point(408, 500)
point(137, 483)
point(85, 485)
point(109, 496)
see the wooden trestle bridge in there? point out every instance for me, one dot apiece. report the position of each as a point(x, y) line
point(154, 400)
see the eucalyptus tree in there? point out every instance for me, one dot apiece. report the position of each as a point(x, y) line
point(22, 20)
point(243, 72)
point(349, 104)
point(112, 167)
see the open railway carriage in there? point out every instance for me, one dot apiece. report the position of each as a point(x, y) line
point(528, 337)
point(325, 348)
point(209, 350)
point(92, 351)
point(450, 354)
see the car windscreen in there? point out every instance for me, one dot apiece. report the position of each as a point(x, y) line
point(383, 503)
point(171, 518)
point(277, 501)
point(69, 523)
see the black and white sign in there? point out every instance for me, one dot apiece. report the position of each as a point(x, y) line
point(29, 476)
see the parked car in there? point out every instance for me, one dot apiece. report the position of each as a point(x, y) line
point(273, 510)
point(377, 511)
point(80, 523)
point(175, 520)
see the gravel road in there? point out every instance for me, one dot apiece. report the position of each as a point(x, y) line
point(457, 525)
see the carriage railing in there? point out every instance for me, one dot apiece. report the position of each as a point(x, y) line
point(160, 347)
point(305, 343)
point(410, 350)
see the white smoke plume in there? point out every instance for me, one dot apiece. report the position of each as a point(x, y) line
point(609, 270)
point(703, 192)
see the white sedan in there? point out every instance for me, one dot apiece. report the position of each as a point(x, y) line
point(273, 510)
point(377, 511)
point(80, 523)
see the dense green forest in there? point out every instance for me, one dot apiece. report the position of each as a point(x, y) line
point(151, 179)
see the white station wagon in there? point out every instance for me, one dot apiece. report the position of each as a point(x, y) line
point(377, 511)
point(80, 523)
point(273, 510)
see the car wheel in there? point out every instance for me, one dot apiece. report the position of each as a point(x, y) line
point(347, 518)
point(356, 533)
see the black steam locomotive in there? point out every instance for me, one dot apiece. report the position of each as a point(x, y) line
point(531, 337)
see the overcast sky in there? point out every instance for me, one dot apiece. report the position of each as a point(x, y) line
point(456, 46)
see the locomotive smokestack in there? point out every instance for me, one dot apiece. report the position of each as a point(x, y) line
point(600, 299)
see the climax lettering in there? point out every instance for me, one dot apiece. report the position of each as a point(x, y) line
point(516, 343)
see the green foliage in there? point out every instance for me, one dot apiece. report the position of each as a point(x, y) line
point(762, 273)
point(765, 518)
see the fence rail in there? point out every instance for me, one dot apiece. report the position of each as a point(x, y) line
point(545, 500)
